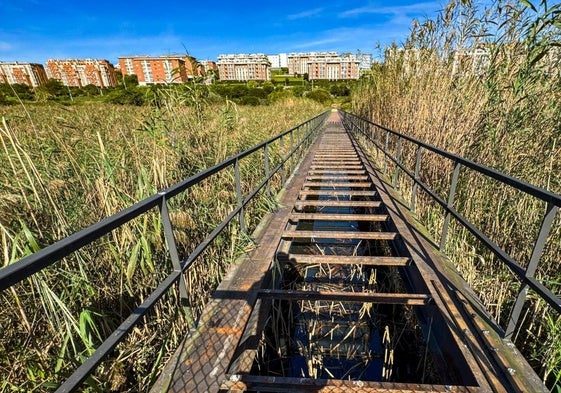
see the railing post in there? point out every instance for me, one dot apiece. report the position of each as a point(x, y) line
point(397, 163)
point(450, 203)
point(416, 178)
point(267, 169)
point(174, 255)
point(283, 168)
point(385, 164)
point(537, 252)
point(239, 195)
point(291, 152)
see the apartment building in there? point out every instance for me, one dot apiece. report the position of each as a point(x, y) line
point(161, 69)
point(30, 74)
point(82, 72)
point(209, 65)
point(151, 70)
point(471, 62)
point(324, 65)
point(365, 61)
point(278, 61)
point(244, 67)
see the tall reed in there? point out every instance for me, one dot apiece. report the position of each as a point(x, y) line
point(484, 83)
point(65, 168)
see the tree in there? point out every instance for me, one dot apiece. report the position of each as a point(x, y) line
point(268, 87)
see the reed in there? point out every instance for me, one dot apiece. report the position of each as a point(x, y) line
point(501, 110)
point(66, 167)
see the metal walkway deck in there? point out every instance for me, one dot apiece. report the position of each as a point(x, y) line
point(343, 292)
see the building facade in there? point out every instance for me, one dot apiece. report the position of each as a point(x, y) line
point(82, 72)
point(161, 69)
point(278, 61)
point(30, 74)
point(365, 61)
point(209, 65)
point(324, 65)
point(243, 67)
point(471, 62)
point(151, 70)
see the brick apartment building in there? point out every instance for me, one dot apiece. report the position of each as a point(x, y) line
point(324, 65)
point(82, 72)
point(30, 74)
point(161, 69)
point(209, 65)
point(244, 67)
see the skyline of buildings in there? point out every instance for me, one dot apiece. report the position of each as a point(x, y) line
point(182, 68)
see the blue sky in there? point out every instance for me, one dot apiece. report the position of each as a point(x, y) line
point(37, 30)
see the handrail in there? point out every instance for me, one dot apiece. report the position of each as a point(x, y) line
point(525, 275)
point(26, 267)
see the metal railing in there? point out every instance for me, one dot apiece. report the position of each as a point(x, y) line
point(299, 139)
point(376, 133)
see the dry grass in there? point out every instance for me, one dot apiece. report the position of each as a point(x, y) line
point(66, 168)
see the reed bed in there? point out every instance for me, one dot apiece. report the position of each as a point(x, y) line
point(500, 110)
point(66, 167)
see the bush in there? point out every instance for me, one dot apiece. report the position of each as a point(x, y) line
point(320, 95)
point(125, 97)
point(280, 95)
point(249, 100)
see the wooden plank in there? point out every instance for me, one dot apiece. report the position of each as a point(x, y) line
point(338, 203)
point(339, 177)
point(341, 171)
point(338, 217)
point(345, 260)
point(339, 192)
point(410, 299)
point(327, 166)
point(336, 162)
point(337, 184)
point(339, 235)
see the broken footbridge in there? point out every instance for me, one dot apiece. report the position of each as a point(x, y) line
point(344, 290)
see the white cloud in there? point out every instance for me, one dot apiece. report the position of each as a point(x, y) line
point(305, 14)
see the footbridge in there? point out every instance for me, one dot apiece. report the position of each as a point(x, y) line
point(343, 290)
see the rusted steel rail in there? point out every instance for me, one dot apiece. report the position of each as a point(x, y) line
point(344, 293)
